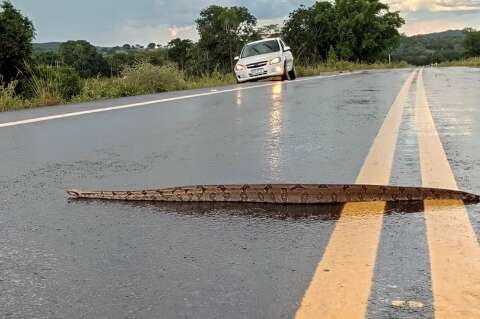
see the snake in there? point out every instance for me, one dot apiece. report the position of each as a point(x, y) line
point(280, 194)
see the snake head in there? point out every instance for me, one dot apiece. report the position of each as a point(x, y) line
point(73, 193)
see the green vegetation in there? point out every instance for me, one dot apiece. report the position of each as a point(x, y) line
point(340, 66)
point(431, 48)
point(83, 57)
point(473, 62)
point(16, 35)
point(329, 36)
point(223, 31)
point(472, 42)
point(357, 30)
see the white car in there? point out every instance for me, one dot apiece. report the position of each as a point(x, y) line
point(264, 59)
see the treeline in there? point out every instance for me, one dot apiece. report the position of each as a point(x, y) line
point(355, 30)
point(438, 47)
point(325, 36)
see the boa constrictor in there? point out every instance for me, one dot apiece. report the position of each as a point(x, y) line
point(281, 194)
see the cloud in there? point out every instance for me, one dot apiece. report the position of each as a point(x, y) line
point(434, 5)
point(134, 33)
point(113, 22)
point(429, 26)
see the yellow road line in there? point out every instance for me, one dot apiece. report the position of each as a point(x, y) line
point(340, 286)
point(453, 246)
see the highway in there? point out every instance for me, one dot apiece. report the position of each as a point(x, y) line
point(61, 258)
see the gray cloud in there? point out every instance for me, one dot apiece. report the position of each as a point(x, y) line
point(111, 22)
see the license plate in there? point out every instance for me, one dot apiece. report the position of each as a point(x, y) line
point(257, 71)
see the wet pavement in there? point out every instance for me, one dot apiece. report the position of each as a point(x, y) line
point(94, 259)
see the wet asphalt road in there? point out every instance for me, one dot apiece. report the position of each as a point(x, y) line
point(78, 259)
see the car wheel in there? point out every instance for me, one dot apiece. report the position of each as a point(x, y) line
point(293, 73)
point(285, 72)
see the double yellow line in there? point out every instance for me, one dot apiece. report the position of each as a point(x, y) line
point(341, 284)
point(453, 246)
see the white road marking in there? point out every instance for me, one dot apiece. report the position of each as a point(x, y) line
point(178, 98)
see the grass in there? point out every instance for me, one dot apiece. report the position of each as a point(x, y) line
point(51, 85)
point(9, 100)
point(469, 62)
point(345, 66)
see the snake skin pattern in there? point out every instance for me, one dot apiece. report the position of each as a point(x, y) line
point(281, 194)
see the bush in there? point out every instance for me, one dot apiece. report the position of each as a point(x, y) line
point(142, 78)
point(9, 100)
point(100, 88)
point(214, 79)
point(53, 84)
point(145, 78)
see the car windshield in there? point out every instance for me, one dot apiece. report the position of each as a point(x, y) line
point(260, 48)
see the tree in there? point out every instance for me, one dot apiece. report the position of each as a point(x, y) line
point(16, 35)
point(46, 57)
point(179, 51)
point(472, 42)
point(358, 30)
point(84, 58)
point(223, 31)
point(151, 46)
point(366, 29)
point(311, 32)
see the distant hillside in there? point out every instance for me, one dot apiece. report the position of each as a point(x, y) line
point(53, 46)
point(44, 47)
point(418, 50)
point(431, 48)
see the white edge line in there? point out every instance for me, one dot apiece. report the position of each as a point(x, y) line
point(184, 97)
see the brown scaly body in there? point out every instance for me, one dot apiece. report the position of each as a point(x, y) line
point(281, 194)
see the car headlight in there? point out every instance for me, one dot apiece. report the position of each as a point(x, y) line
point(239, 67)
point(275, 61)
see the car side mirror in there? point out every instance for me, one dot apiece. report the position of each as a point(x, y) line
point(287, 49)
point(236, 58)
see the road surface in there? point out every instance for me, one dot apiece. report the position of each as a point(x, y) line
point(81, 259)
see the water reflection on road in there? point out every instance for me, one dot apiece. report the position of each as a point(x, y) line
point(276, 122)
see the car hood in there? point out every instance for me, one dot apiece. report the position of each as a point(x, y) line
point(259, 58)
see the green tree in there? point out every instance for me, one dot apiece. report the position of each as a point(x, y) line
point(366, 29)
point(151, 46)
point(223, 31)
point(472, 42)
point(311, 32)
point(84, 58)
point(331, 57)
point(46, 57)
point(16, 35)
point(179, 51)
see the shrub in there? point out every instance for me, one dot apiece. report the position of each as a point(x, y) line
point(49, 85)
point(214, 79)
point(100, 88)
point(9, 100)
point(142, 78)
point(145, 78)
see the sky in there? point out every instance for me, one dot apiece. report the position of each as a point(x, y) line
point(116, 22)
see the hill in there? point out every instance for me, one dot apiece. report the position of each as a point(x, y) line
point(53, 46)
point(431, 48)
point(45, 47)
point(420, 49)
